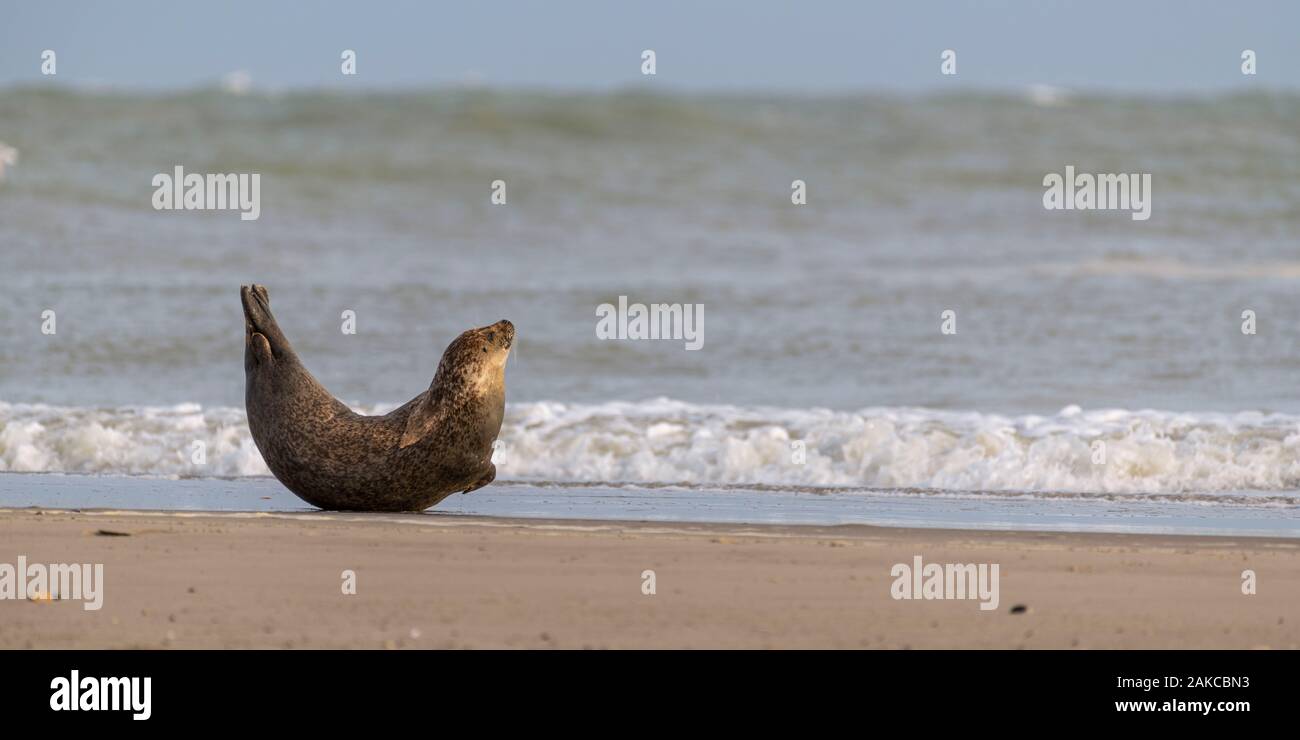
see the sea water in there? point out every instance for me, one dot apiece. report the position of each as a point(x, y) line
point(824, 365)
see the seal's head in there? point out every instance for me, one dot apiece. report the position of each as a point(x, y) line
point(470, 383)
point(476, 360)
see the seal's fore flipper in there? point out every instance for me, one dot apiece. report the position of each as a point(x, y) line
point(486, 479)
point(423, 414)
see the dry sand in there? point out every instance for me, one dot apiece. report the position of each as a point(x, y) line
point(436, 581)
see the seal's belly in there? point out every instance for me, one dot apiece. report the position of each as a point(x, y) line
point(352, 462)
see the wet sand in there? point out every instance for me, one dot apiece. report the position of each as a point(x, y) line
point(206, 580)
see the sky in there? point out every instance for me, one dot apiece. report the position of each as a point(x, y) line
point(816, 46)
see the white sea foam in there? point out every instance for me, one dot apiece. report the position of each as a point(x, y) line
point(135, 440)
point(8, 157)
point(665, 441)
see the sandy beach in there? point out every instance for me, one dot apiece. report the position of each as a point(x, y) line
point(200, 580)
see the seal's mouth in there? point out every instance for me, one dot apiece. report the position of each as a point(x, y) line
point(501, 334)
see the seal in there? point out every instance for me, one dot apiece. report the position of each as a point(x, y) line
point(436, 444)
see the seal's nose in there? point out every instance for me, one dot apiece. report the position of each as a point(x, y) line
point(507, 332)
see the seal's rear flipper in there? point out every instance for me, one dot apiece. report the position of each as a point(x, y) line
point(259, 321)
point(259, 349)
point(419, 422)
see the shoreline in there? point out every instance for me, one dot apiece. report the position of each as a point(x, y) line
point(735, 505)
point(267, 580)
point(451, 519)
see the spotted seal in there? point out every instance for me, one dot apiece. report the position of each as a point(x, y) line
point(436, 444)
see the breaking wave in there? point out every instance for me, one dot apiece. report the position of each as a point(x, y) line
point(663, 441)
